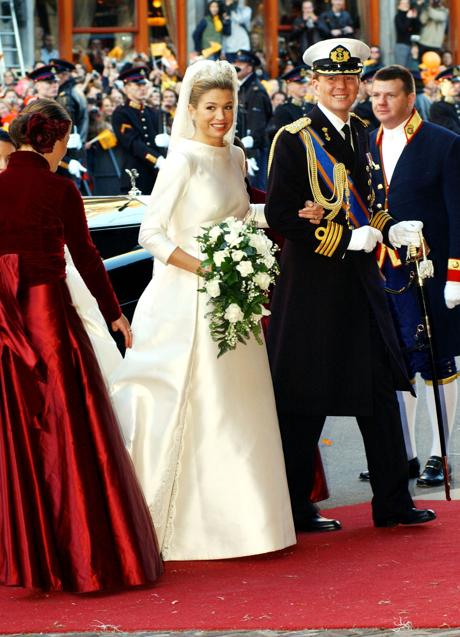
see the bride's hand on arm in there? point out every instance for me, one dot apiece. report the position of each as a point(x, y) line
point(184, 260)
point(312, 211)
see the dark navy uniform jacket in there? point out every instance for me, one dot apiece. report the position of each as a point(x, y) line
point(135, 128)
point(285, 114)
point(254, 111)
point(446, 114)
point(425, 186)
point(326, 297)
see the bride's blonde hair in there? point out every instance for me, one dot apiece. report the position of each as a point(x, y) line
point(219, 76)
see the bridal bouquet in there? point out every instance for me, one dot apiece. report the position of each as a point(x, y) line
point(238, 269)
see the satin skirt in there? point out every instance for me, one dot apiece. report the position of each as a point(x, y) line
point(202, 431)
point(72, 516)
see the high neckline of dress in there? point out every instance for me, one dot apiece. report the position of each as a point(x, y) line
point(21, 157)
point(214, 149)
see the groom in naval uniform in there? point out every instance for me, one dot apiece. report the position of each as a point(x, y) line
point(331, 341)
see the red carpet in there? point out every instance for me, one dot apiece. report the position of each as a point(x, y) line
point(358, 577)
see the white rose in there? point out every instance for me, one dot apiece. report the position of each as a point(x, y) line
point(262, 279)
point(259, 242)
point(233, 238)
point(231, 221)
point(233, 313)
point(213, 288)
point(219, 256)
point(269, 260)
point(215, 233)
point(245, 268)
point(237, 255)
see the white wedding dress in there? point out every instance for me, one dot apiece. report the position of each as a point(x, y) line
point(202, 431)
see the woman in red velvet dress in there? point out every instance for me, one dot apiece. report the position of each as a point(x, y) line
point(72, 516)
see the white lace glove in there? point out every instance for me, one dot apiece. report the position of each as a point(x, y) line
point(248, 142)
point(252, 166)
point(75, 168)
point(159, 162)
point(405, 233)
point(365, 238)
point(74, 141)
point(162, 140)
point(452, 294)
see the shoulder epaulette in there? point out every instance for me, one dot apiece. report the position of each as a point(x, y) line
point(293, 128)
point(298, 125)
point(363, 122)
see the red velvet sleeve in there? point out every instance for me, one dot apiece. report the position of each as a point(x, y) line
point(85, 254)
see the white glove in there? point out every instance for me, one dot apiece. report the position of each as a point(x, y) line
point(248, 142)
point(162, 140)
point(365, 238)
point(452, 294)
point(75, 168)
point(74, 141)
point(252, 166)
point(159, 162)
point(405, 233)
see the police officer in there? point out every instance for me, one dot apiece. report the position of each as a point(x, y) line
point(46, 83)
point(295, 106)
point(70, 98)
point(75, 104)
point(364, 107)
point(254, 113)
point(136, 127)
point(446, 111)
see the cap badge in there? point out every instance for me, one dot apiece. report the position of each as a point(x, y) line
point(339, 54)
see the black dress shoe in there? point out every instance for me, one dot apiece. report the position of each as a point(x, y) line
point(412, 516)
point(433, 473)
point(316, 522)
point(413, 467)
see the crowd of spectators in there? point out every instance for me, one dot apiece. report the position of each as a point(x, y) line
point(227, 27)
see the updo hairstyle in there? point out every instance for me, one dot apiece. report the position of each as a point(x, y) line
point(40, 125)
point(204, 81)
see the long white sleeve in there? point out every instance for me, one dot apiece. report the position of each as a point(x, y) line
point(172, 180)
point(257, 213)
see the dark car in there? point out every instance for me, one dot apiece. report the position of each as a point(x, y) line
point(114, 225)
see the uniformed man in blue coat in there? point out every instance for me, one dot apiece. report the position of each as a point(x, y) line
point(295, 106)
point(446, 110)
point(416, 173)
point(136, 127)
point(254, 113)
point(332, 345)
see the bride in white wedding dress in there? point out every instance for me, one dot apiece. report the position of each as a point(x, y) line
point(202, 431)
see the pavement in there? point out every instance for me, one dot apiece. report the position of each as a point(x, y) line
point(342, 451)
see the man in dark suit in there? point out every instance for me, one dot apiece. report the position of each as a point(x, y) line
point(332, 345)
point(254, 113)
point(136, 127)
point(416, 167)
point(295, 106)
